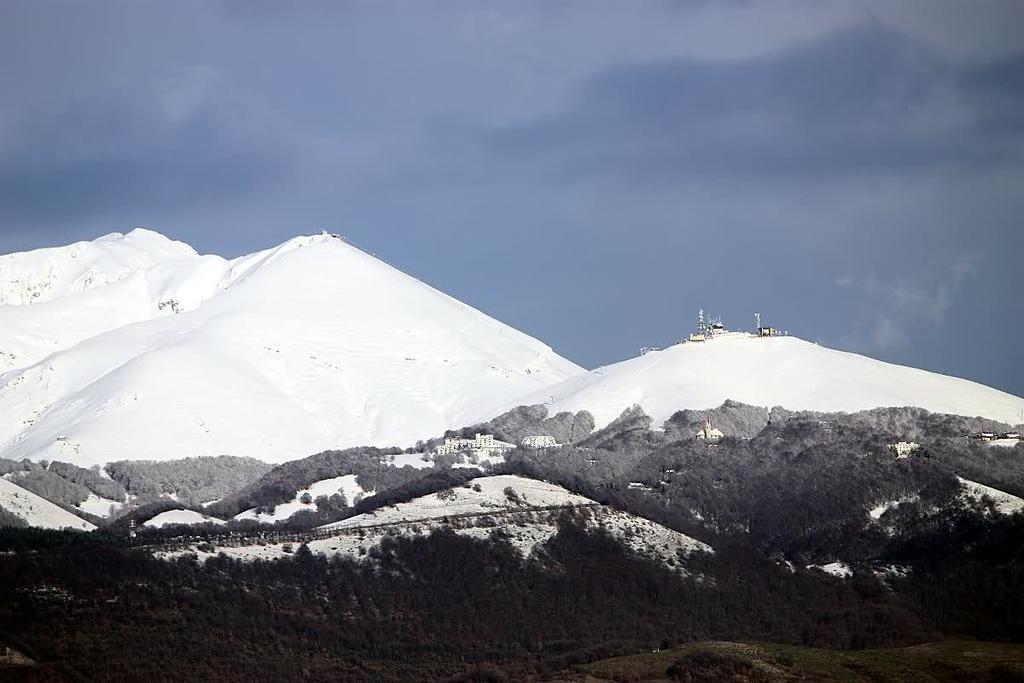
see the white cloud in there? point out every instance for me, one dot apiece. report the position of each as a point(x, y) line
point(900, 305)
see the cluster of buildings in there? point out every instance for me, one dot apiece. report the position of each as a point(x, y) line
point(996, 436)
point(539, 441)
point(904, 449)
point(486, 445)
point(706, 328)
point(712, 326)
point(481, 444)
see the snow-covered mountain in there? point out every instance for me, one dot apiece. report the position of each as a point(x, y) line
point(42, 275)
point(769, 371)
point(135, 347)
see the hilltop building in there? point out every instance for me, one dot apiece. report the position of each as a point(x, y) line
point(709, 433)
point(482, 444)
point(904, 449)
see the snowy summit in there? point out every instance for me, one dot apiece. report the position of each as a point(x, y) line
point(133, 346)
point(767, 371)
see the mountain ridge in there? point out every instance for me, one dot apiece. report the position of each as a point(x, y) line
point(310, 345)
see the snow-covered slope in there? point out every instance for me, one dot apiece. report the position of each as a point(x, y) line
point(526, 512)
point(180, 516)
point(774, 371)
point(84, 289)
point(42, 275)
point(345, 484)
point(310, 345)
point(37, 511)
point(1005, 503)
point(511, 503)
point(468, 501)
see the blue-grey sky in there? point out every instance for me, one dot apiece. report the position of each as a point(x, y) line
point(589, 172)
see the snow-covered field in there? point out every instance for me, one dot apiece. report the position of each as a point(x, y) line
point(180, 517)
point(773, 371)
point(345, 484)
point(37, 511)
point(479, 514)
point(1005, 503)
point(98, 505)
point(135, 347)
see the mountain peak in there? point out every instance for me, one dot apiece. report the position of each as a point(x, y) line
point(310, 345)
point(767, 371)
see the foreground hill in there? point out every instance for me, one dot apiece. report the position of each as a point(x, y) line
point(308, 346)
point(773, 371)
point(952, 660)
point(525, 512)
point(36, 511)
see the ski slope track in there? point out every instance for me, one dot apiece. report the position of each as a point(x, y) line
point(767, 371)
point(136, 347)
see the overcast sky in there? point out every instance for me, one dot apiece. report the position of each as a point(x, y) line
point(590, 173)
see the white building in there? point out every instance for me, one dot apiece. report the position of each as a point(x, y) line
point(709, 433)
point(903, 449)
point(539, 441)
point(482, 444)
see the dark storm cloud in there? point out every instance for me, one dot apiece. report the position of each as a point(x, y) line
point(187, 140)
point(862, 100)
point(590, 173)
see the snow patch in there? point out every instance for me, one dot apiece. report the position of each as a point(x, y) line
point(98, 505)
point(37, 511)
point(838, 569)
point(879, 510)
point(180, 516)
point(463, 500)
point(1005, 503)
point(345, 484)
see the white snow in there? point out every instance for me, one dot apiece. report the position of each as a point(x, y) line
point(879, 510)
point(838, 569)
point(98, 505)
point(38, 511)
point(479, 514)
point(766, 371)
point(466, 500)
point(1005, 503)
point(308, 346)
point(325, 487)
point(413, 460)
point(180, 516)
point(42, 275)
